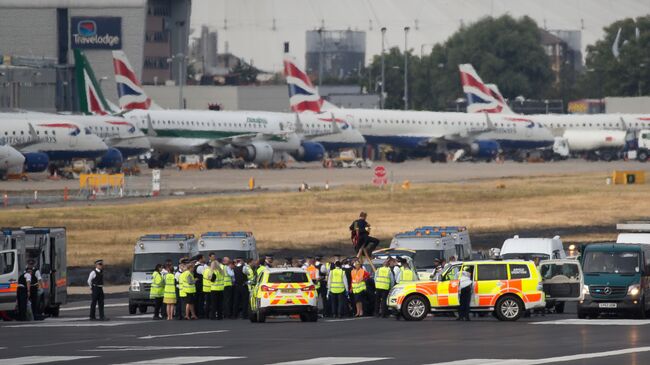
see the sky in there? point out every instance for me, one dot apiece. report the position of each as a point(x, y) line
point(257, 29)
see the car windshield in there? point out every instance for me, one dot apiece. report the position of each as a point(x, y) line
point(424, 259)
point(287, 277)
point(525, 256)
point(599, 262)
point(147, 262)
point(232, 254)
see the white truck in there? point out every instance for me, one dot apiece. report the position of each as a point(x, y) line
point(428, 245)
point(460, 235)
point(643, 145)
point(532, 248)
point(150, 250)
point(234, 245)
point(637, 232)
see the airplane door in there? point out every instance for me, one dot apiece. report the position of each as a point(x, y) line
point(73, 139)
point(8, 279)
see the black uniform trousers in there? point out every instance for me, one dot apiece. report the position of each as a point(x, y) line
point(381, 307)
point(97, 301)
point(157, 307)
point(35, 299)
point(240, 301)
point(21, 296)
point(369, 242)
point(338, 302)
point(465, 298)
point(227, 302)
point(216, 306)
point(207, 305)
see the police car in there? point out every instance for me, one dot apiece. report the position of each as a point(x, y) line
point(284, 291)
point(506, 288)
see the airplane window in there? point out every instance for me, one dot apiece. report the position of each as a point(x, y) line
point(14, 133)
point(21, 132)
point(54, 133)
point(419, 122)
point(445, 122)
point(590, 124)
point(38, 133)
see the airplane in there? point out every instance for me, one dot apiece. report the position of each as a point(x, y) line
point(600, 136)
point(48, 140)
point(473, 134)
point(259, 137)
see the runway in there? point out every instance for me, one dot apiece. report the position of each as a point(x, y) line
point(416, 171)
point(551, 339)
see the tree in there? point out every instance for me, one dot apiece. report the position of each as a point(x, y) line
point(244, 73)
point(627, 75)
point(504, 50)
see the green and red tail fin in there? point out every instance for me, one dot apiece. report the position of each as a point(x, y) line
point(91, 98)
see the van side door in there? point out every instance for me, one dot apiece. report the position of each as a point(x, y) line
point(8, 279)
point(562, 280)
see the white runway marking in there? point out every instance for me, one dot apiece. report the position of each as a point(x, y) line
point(333, 360)
point(41, 359)
point(547, 360)
point(598, 322)
point(180, 334)
point(150, 348)
point(183, 360)
point(346, 319)
point(75, 324)
point(87, 307)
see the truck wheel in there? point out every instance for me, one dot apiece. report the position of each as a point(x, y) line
point(509, 308)
point(132, 308)
point(606, 156)
point(642, 156)
point(415, 308)
point(143, 308)
point(559, 308)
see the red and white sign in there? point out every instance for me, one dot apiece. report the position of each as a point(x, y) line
point(380, 178)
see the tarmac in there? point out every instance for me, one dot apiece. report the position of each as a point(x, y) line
point(237, 180)
point(136, 339)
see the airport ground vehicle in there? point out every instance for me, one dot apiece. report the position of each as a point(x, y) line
point(460, 234)
point(531, 248)
point(429, 245)
point(616, 279)
point(229, 244)
point(284, 291)
point(150, 250)
point(190, 162)
point(562, 281)
point(346, 159)
point(643, 145)
point(505, 288)
point(47, 247)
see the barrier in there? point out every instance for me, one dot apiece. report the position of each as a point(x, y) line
point(101, 181)
point(628, 177)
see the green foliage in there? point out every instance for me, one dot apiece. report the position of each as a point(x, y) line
point(608, 76)
point(504, 51)
point(245, 74)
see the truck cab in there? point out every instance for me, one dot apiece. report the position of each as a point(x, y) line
point(237, 244)
point(428, 245)
point(150, 250)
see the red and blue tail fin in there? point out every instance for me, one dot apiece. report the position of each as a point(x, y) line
point(129, 89)
point(481, 98)
point(303, 96)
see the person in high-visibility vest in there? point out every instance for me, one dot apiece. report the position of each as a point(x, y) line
point(337, 285)
point(169, 295)
point(359, 275)
point(384, 280)
point(190, 291)
point(216, 311)
point(157, 291)
point(207, 289)
point(406, 274)
point(228, 274)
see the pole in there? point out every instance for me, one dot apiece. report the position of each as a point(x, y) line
point(180, 81)
point(406, 71)
point(320, 59)
point(383, 69)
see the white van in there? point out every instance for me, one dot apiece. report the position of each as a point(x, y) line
point(531, 248)
point(634, 232)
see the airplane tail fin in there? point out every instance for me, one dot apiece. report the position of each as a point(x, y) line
point(129, 89)
point(303, 96)
point(91, 98)
point(481, 98)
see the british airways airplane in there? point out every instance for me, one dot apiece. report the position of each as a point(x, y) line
point(476, 134)
point(597, 135)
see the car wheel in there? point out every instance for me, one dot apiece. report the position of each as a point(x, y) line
point(142, 308)
point(559, 308)
point(509, 308)
point(415, 308)
point(132, 308)
point(643, 156)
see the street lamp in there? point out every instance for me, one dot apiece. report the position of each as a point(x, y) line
point(179, 58)
point(641, 66)
point(406, 70)
point(320, 58)
point(381, 98)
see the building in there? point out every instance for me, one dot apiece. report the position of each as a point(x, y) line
point(563, 49)
point(148, 31)
point(342, 53)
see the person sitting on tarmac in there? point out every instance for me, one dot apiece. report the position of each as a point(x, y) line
point(360, 234)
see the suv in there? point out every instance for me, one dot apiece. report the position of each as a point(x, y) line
point(506, 288)
point(284, 291)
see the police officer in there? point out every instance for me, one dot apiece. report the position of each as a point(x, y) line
point(198, 275)
point(216, 311)
point(34, 286)
point(96, 284)
point(406, 273)
point(169, 296)
point(240, 290)
point(384, 280)
point(22, 294)
point(465, 286)
point(228, 274)
point(337, 289)
point(208, 278)
point(157, 291)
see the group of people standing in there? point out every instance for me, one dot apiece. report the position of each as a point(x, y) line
point(28, 296)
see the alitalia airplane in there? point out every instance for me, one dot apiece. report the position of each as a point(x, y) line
point(260, 137)
point(438, 132)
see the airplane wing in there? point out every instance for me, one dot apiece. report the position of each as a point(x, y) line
point(335, 129)
point(465, 136)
